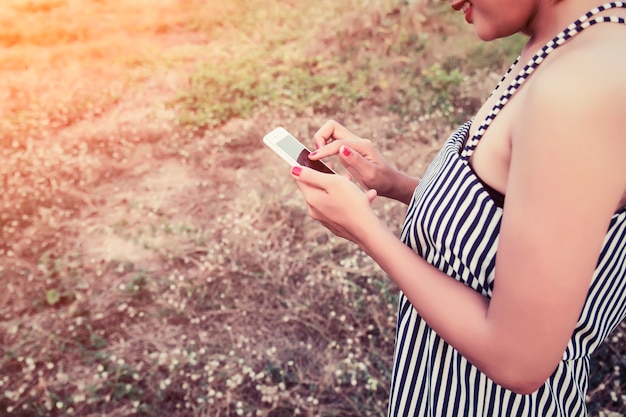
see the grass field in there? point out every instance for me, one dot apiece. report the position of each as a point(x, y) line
point(156, 260)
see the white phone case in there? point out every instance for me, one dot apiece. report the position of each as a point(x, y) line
point(271, 140)
point(292, 151)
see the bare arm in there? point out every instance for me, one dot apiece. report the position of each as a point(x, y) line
point(563, 189)
point(565, 182)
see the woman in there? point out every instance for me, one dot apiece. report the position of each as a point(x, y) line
point(503, 299)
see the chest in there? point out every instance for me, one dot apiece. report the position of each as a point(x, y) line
point(492, 157)
point(452, 222)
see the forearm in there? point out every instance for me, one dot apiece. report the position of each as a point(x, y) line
point(455, 311)
point(403, 188)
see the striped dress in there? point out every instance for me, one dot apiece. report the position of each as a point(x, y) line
point(453, 223)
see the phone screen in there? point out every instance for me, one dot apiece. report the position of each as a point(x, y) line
point(294, 149)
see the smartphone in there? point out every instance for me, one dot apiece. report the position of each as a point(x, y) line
point(292, 151)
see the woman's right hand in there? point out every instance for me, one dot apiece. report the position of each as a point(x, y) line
point(364, 163)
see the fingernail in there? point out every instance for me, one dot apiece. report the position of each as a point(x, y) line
point(346, 151)
point(314, 152)
point(317, 146)
point(296, 170)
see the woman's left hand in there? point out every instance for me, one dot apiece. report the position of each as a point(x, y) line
point(336, 202)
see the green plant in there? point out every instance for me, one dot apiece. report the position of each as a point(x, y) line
point(442, 89)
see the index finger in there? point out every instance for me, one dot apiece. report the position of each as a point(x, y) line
point(331, 131)
point(326, 150)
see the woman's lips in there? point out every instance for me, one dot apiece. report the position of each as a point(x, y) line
point(465, 6)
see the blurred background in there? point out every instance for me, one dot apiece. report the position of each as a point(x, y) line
point(155, 258)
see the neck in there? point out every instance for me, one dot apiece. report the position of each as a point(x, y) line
point(550, 17)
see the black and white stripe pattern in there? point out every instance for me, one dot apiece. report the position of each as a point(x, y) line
point(453, 223)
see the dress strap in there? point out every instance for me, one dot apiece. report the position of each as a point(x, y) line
point(572, 30)
point(504, 76)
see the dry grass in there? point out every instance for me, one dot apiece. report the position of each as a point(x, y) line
point(154, 269)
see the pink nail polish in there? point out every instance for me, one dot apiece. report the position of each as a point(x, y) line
point(346, 151)
point(296, 170)
point(314, 152)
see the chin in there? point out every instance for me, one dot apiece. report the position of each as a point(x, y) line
point(489, 33)
point(486, 35)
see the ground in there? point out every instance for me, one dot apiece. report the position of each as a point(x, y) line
point(156, 258)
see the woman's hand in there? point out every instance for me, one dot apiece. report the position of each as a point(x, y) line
point(364, 163)
point(336, 202)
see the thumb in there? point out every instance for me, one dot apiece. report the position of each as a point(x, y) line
point(349, 158)
point(371, 195)
point(309, 176)
point(354, 162)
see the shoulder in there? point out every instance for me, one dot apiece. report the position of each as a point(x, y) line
point(582, 87)
point(587, 73)
point(573, 118)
